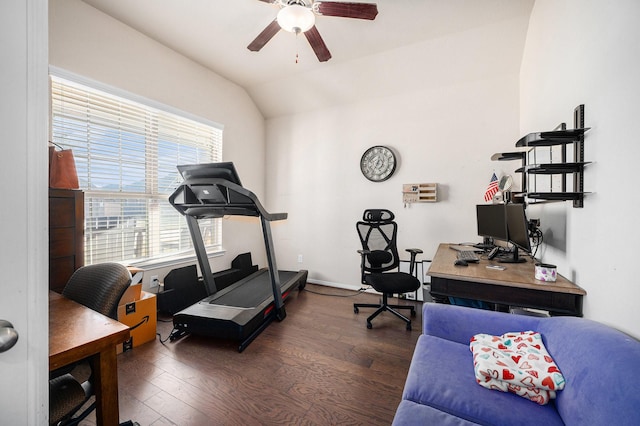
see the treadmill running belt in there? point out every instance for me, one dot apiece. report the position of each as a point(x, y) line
point(226, 316)
point(252, 293)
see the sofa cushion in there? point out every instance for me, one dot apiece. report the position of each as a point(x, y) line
point(458, 324)
point(411, 414)
point(602, 369)
point(441, 376)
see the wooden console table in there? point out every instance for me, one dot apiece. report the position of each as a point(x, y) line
point(77, 332)
point(514, 286)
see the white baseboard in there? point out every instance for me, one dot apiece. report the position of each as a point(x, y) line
point(342, 286)
point(334, 285)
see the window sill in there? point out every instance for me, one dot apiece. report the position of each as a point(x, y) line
point(169, 261)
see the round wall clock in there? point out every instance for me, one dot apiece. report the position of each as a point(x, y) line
point(378, 163)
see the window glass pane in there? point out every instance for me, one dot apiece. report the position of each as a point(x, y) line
point(170, 154)
point(115, 229)
point(126, 156)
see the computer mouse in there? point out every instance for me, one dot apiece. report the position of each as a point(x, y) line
point(460, 262)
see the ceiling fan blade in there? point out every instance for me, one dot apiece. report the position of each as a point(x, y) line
point(346, 9)
point(317, 44)
point(264, 37)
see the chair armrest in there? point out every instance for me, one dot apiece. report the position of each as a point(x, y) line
point(363, 256)
point(459, 324)
point(414, 252)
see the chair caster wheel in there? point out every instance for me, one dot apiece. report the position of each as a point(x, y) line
point(369, 325)
point(356, 310)
point(408, 327)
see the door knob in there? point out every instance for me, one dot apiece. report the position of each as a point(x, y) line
point(8, 336)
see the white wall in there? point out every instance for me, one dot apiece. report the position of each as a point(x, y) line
point(456, 105)
point(588, 52)
point(87, 42)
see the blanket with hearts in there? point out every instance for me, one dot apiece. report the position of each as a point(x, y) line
point(516, 362)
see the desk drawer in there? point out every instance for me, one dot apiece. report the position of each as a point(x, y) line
point(60, 270)
point(555, 303)
point(59, 212)
point(62, 242)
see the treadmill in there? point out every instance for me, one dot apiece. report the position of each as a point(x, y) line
point(245, 308)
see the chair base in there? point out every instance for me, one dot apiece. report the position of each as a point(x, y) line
point(385, 306)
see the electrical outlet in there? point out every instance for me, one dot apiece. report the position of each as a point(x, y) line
point(299, 258)
point(154, 282)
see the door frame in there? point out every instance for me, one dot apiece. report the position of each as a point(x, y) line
point(25, 118)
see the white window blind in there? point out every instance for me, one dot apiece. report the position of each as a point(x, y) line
point(126, 155)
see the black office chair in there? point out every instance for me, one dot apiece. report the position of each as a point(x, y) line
point(98, 287)
point(379, 256)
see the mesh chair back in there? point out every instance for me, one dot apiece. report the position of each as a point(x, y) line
point(99, 287)
point(378, 233)
point(66, 395)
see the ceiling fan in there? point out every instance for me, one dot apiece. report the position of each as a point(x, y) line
point(298, 16)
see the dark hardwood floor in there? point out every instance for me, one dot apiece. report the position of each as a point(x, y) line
point(320, 366)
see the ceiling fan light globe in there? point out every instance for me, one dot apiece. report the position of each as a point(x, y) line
point(295, 18)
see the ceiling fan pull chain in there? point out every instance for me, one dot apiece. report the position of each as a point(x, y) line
point(297, 47)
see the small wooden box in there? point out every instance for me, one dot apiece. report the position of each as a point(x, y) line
point(420, 193)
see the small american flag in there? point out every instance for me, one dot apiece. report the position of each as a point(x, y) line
point(492, 188)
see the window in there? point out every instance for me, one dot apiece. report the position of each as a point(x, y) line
point(126, 154)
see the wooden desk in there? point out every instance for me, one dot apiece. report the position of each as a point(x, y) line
point(515, 286)
point(77, 332)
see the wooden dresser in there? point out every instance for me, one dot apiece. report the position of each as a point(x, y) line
point(66, 235)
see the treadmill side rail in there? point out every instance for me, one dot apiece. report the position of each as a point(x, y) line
point(275, 278)
point(201, 254)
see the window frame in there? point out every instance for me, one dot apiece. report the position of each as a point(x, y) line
point(151, 195)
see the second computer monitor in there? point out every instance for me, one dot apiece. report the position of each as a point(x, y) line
point(518, 227)
point(492, 221)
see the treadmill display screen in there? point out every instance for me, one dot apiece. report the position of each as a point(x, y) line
point(225, 171)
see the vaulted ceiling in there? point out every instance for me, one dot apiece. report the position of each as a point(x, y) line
point(409, 40)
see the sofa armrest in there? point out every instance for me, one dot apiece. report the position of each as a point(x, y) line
point(459, 324)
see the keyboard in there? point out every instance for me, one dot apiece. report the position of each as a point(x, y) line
point(468, 255)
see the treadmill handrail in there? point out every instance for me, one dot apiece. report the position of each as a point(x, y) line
point(240, 209)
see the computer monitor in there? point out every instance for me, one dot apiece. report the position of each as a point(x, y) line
point(492, 223)
point(518, 231)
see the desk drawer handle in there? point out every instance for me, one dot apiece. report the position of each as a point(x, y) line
point(8, 336)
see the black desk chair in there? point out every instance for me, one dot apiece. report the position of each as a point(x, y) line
point(379, 256)
point(98, 287)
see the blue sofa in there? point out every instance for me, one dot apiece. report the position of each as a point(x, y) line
point(601, 367)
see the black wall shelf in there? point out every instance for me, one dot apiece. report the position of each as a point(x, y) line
point(556, 196)
point(508, 156)
point(553, 137)
point(563, 137)
point(553, 168)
